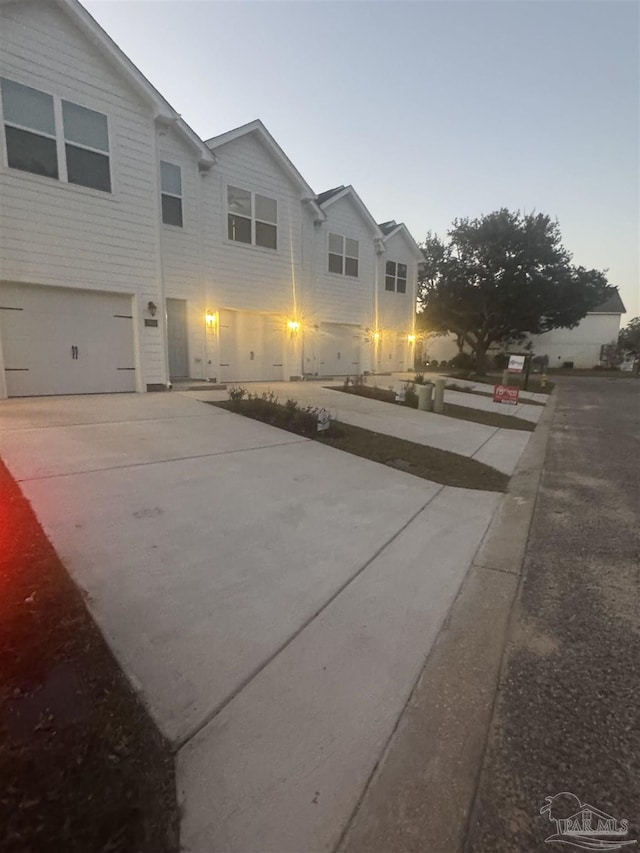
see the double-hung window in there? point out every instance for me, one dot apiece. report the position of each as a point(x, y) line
point(395, 277)
point(30, 129)
point(171, 191)
point(343, 255)
point(252, 218)
point(74, 149)
point(86, 144)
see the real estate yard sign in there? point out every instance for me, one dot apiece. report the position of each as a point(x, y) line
point(506, 394)
point(516, 363)
point(323, 420)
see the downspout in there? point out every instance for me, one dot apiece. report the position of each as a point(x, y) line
point(160, 267)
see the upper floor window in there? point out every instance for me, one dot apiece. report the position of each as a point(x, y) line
point(396, 277)
point(86, 138)
point(343, 255)
point(252, 218)
point(77, 152)
point(171, 190)
point(30, 129)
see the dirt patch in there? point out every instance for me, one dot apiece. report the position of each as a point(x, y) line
point(83, 768)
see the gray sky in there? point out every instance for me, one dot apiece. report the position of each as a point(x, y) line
point(432, 110)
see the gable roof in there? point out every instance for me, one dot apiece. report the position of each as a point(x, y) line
point(327, 194)
point(612, 305)
point(329, 197)
point(392, 227)
point(164, 112)
point(257, 127)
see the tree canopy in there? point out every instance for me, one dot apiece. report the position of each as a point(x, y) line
point(501, 277)
point(629, 337)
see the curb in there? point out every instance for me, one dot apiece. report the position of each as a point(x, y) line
point(422, 793)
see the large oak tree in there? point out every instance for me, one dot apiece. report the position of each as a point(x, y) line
point(501, 277)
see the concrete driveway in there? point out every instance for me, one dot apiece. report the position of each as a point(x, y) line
point(272, 599)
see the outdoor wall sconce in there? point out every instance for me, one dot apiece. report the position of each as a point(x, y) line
point(152, 308)
point(411, 339)
point(293, 326)
point(211, 319)
point(376, 337)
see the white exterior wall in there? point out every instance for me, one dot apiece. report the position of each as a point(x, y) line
point(55, 233)
point(340, 298)
point(580, 345)
point(395, 312)
point(183, 248)
point(245, 277)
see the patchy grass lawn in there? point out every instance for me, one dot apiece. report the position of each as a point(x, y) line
point(463, 413)
point(430, 463)
point(82, 767)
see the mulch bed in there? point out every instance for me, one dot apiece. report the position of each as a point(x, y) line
point(82, 767)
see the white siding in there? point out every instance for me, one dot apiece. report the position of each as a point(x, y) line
point(341, 298)
point(182, 260)
point(395, 312)
point(580, 345)
point(243, 276)
point(59, 234)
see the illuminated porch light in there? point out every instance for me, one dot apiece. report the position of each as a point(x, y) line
point(376, 336)
point(293, 326)
point(211, 319)
point(411, 339)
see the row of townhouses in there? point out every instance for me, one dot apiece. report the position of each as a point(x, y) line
point(133, 253)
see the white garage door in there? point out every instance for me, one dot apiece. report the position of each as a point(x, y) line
point(392, 352)
point(251, 346)
point(339, 349)
point(63, 341)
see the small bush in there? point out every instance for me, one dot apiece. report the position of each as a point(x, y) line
point(434, 362)
point(237, 392)
point(464, 361)
point(567, 365)
point(418, 379)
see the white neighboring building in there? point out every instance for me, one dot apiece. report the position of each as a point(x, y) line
point(133, 254)
point(583, 344)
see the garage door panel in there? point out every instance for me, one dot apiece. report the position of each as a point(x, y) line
point(339, 349)
point(251, 346)
point(62, 341)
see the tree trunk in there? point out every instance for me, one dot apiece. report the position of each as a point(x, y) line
point(481, 359)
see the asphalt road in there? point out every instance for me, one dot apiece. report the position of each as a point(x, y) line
point(567, 715)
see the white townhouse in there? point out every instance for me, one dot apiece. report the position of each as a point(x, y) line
point(396, 293)
point(81, 273)
point(132, 253)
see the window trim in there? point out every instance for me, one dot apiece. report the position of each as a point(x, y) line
point(172, 195)
point(253, 220)
point(344, 256)
point(61, 142)
point(396, 278)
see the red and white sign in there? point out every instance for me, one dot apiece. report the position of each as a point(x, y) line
point(506, 394)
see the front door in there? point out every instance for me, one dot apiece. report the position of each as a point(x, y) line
point(178, 338)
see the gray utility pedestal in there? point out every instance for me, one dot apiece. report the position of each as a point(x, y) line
point(438, 397)
point(425, 402)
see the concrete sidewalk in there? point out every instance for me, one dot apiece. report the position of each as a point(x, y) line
point(272, 599)
point(499, 448)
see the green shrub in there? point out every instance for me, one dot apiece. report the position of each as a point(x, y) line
point(237, 392)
